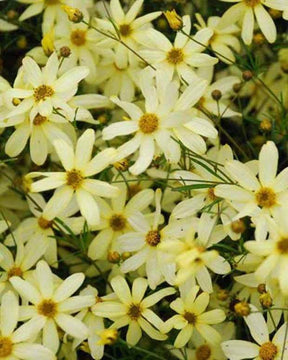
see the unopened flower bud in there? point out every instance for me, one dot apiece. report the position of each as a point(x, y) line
point(126, 255)
point(265, 125)
point(113, 257)
point(75, 15)
point(266, 300)
point(222, 294)
point(121, 165)
point(48, 43)
point(242, 308)
point(108, 337)
point(174, 20)
point(65, 51)
point(261, 288)
point(102, 119)
point(258, 39)
point(22, 42)
point(12, 14)
point(238, 226)
point(237, 87)
point(247, 75)
point(216, 95)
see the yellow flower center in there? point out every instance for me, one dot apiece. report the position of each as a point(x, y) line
point(148, 123)
point(265, 197)
point(42, 92)
point(190, 317)
point(203, 352)
point(282, 246)
point(117, 222)
point(175, 56)
point(39, 119)
point(74, 178)
point(125, 30)
point(15, 271)
point(134, 311)
point(252, 3)
point(268, 351)
point(6, 346)
point(47, 308)
point(78, 37)
point(44, 223)
point(153, 238)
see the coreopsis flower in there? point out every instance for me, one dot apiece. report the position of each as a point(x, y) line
point(181, 57)
point(131, 29)
point(18, 343)
point(224, 40)
point(79, 167)
point(82, 42)
point(115, 79)
point(51, 304)
point(98, 336)
point(145, 242)
point(264, 348)
point(116, 219)
point(246, 10)
point(22, 262)
point(192, 255)
point(42, 230)
point(174, 20)
point(275, 251)
point(262, 197)
point(133, 309)
point(191, 315)
point(41, 91)
point(166, 115)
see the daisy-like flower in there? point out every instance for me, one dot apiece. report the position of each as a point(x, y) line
point(16, 343)
point(264, 349)
point(116, 219)
point(19, 265)
point(275, 252)
point(40, 91)
point(116, 80)
point(42, 230)
point(191, 315)
point(260, 198)
point(166, 115)
point(131, 29)
point(51, 304)
point(82, 42)
point(224, 40)
point(183, 56)
point(145, 243)
point(132, 310)
point(79, 167)
point(192, 255)
point(246, 10)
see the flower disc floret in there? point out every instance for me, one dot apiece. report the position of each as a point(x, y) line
point(74, 178)
point(203, 352)
point(282, 246)
point(266, 197)
point(47, 307)
point(42, 92)
point(78, 37)
point(268, 351)
point(117, 222)
point(148, 123)
point(153, 238)
point(175, 56)
point(134, 311)
point(6, 347)
point(125, 30)
point(252, 3)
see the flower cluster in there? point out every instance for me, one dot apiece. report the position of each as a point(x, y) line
point(144, 179)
